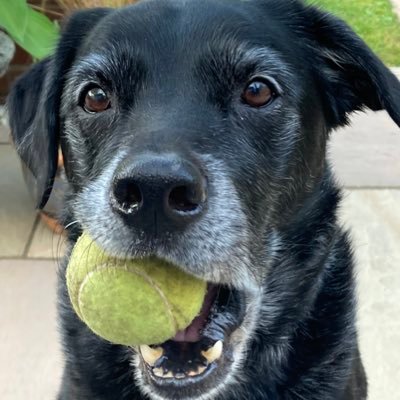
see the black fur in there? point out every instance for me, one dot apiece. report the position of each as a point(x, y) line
point(176, 71)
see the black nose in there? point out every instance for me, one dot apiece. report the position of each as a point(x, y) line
point(159, 189)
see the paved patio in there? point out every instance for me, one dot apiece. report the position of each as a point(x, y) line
point(396, 6)
point(366, 160)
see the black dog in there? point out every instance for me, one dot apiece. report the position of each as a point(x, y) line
point(195, 131)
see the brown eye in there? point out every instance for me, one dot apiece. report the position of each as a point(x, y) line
point(96, 100)
point(257, 94)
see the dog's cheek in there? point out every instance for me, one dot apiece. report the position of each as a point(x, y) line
point(91, 207)
point(75, 154)
point(264, 170)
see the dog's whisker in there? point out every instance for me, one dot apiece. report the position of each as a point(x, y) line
point(70, 224)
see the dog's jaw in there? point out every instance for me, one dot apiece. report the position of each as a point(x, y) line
point(240, 340)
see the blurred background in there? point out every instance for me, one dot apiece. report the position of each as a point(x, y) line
point(365, 157)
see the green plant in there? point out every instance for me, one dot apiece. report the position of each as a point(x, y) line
point(31, 29)
point(374, 20)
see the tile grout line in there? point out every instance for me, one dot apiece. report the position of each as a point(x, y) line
point(21, 258)
point(371, 187)
point(30, 237)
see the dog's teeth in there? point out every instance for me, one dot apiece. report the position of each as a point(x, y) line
point(158, 372)
point(214, 352)
point(150, 355)
point(168, 374)
point(200, 370)
point(180, 375)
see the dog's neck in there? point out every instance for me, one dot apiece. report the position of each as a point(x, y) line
point(298, 352)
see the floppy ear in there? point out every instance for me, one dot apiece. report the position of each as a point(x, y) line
point(351, 76)
point(34, 104)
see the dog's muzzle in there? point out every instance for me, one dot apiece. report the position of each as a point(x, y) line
point(201, 355)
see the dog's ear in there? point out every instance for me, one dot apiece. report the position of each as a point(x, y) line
point(34, 104)
point(351, 76)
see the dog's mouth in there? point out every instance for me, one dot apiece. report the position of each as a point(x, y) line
point(202, 351)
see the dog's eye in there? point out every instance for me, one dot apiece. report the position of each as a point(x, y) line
point(96, 100)
point(257, 93)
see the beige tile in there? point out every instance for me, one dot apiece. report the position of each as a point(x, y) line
point(4, 130)
point(46, 244)
point(4, 134)
point(396, 6)
point(30, 357)
point(374, 219)
point(366, 154)
point(396, 70)
point(17, 213)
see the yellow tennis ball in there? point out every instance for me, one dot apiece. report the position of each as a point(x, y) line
point(132, 301)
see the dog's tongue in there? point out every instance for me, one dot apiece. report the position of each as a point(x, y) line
point(193, 331)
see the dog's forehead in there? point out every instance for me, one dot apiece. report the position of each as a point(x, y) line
point(180, 45)
point(164, 27)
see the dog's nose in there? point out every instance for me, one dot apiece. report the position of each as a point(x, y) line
point(165, 188)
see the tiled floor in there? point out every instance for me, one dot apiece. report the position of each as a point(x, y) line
point(373, 217)
point(396, 5)
point(366, 159)
point(366, 154)
point(17, 216)
point(30, 356)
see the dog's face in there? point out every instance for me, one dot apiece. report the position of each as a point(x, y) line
point(194, 132)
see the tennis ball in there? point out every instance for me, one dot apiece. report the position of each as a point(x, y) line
point(134, 301)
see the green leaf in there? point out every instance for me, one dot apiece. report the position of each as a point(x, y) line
point(13, 15)
point(40, 35)
point(31, 29)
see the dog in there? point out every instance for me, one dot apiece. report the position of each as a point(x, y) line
point(196, 132)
